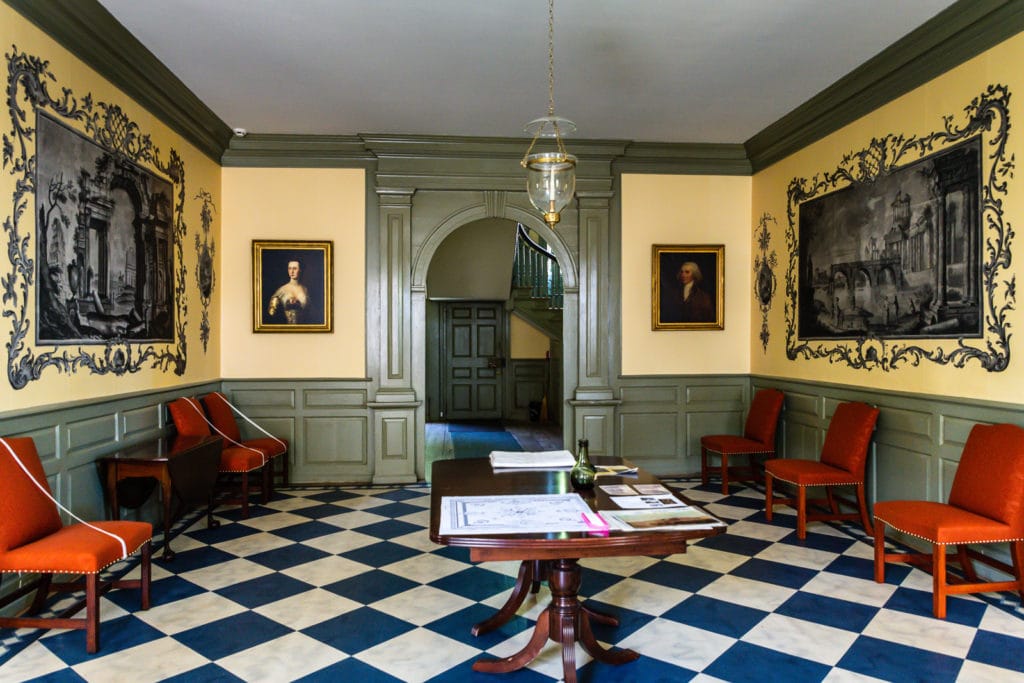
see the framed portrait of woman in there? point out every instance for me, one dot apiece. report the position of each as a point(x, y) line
point(687, 287)
point(292, 286)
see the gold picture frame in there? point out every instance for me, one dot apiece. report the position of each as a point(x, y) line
point(292, 286)
point(688, 287)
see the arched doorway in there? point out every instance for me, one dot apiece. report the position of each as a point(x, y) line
point(452, 248)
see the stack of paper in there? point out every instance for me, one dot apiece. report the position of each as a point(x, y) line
point(534, 459)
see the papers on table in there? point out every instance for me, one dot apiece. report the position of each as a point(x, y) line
point(531, 459)
point(669, 519)
point(635, 489)
point(616, 470)
point(647, 502)
point(540, 513)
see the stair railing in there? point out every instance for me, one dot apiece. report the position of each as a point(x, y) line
point(536, 268)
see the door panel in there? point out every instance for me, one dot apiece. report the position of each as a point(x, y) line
point(471, 363)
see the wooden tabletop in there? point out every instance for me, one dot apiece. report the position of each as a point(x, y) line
point(475, 477)
point(161, 448)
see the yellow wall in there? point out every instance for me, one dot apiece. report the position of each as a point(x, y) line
point(685, 210)
point(201, 173)
point(525, 340)
point(294, 204)
point(916, 113)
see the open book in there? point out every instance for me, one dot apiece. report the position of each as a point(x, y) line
point(532, 459)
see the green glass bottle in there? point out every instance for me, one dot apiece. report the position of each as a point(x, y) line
point(583, 472)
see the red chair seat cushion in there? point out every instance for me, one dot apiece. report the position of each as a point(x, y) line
point(809, 473)
point(941, 523)
point(241, 460)
point(270, 447)
point(77, 549)
point(734, 445)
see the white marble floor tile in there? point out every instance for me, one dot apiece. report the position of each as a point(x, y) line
point(1001, 621)
point(845, 676)
point(286, 658)
point(641, 596)
point(341, 541)
point(421, 605)
point(797, 555)
point(278, 520)
point(292, 503)
point(326, 570)
point(976, 672)
point(417, 655)
point(253, 544)
point(756, 594)
point(226, 573)
point(926, 633)
point(709, 559)
point(765, 532)
point(418, 540)
point(34, 661)
point(425, 568)
point(678, 644)
point(353, 520)
point(307, 608)
point(189, 612)
point(164, 657)
point(844, 587)
point(801, 638)
point(620, 566)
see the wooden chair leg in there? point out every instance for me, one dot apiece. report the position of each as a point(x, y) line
point(879, 551)
point(768, 502)
point(1017, 555)
point(725, 474)
point(268, 482)
point(863, 505)
point(966, 564)
point(801, 512)
point(42, 592)
point(92, 613)
point(245, 495)
point(939, 581)
point(145, 573)
point(703, 466)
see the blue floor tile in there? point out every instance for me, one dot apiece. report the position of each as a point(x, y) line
point(998, 649)
point(306, 531)
point(475, 583)
point(318, 511)
point(115, 635)
point(780, 574)
point(833, 612)
point(895, 662)
point(288, 556)
point(394, 510)
point(358, 630)
point(371, 586)
point(677, 575)
point(718, 616)
point(731, 543)
point(230, 635)
point(747, 663)
point(458, 625)
point(263, 590)
point(349, 670)
point(209, 673)
point(380, 554)
point(333, 496)
point(389, 529)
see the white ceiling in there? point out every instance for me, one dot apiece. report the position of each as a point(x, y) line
point(645, 70)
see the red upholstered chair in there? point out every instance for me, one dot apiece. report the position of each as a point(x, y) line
point(222, 415)
point(190, 420)
point(986, 505)
point(758, 440)
point(843, 458)
point(33, 539)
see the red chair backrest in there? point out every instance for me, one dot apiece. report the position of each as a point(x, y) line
point(763, 418)
point(26, 514)
point(848, 437)
point(222, 416)
point(187, 414)
point(990, 478)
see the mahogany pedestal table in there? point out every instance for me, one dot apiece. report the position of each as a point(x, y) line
point(564, 620)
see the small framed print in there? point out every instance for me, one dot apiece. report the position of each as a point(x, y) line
point(687, 287)
point(292, 282)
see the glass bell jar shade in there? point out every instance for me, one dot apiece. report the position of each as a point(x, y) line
point(550, 182)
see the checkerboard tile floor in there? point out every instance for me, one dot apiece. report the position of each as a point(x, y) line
point(342, 584)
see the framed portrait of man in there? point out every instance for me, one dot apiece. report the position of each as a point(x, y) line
point(292, 286)
point(687, 287)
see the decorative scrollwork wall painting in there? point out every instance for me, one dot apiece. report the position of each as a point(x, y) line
point(105, 260)
point(901, 254)
point(765, 282)
point(206, 278)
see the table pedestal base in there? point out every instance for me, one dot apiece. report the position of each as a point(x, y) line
point(564, 621)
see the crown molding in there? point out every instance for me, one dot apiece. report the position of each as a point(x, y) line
point(90, 32)
point(958, 33)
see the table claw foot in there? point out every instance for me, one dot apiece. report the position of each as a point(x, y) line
point(597, 651)
point(521, 658)
point(511, 606)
